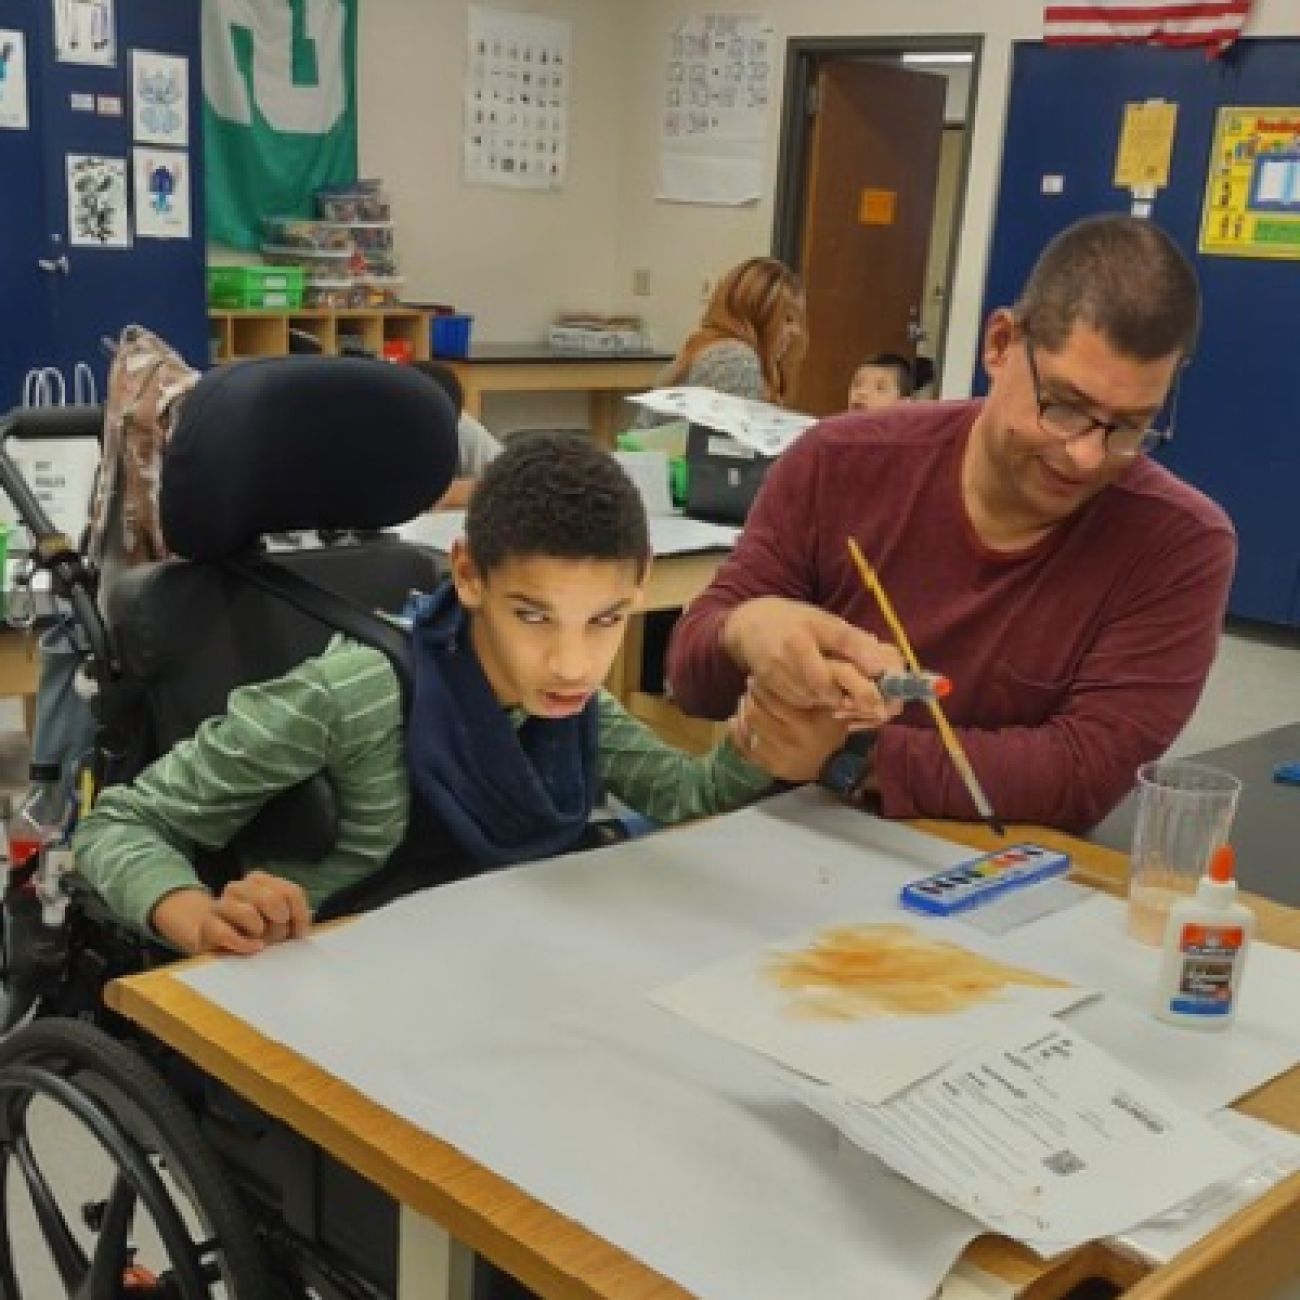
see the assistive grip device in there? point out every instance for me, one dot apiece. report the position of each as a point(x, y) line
point(908, 686)
point(980, 880)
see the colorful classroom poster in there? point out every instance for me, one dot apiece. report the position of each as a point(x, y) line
point(13, 81)
point(97, 205)
point(1252, 191)
point(517, 99)
point(84, 32)
point(717, 97)
point(160, 98)
point(162, 194)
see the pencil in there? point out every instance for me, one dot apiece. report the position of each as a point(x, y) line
point(949, 737)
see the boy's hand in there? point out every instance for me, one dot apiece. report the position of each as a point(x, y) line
point(788, 743)
point(247, 916)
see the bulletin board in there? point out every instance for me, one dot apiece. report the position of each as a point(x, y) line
point(1252, 190)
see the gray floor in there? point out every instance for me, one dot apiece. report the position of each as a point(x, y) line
point(1255, 686)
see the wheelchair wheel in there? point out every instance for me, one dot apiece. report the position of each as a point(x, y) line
point(150, 1213)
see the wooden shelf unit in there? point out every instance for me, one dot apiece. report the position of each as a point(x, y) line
point(258, 333)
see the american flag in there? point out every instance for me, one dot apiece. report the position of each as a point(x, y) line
point(1211, 23)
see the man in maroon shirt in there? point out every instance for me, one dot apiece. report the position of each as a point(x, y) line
point(1072, 589)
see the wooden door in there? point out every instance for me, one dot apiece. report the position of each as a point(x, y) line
point(869, 202)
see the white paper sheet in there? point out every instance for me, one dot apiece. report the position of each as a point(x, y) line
point(509, 1016)
point(764, 428)
point(718, 80)
point(649, 471)
point(519, 69)
point(13, 80)
point(61, 472)
point(669, 534)
point(1275, 1155)
point(1040, 1136)
point(890, 1003)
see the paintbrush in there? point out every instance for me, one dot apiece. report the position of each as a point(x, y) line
point(949, 737)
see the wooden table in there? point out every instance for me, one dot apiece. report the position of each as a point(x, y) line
point(535, 368)
point(1248, 1258)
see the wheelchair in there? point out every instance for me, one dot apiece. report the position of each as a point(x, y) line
point(192, 1193)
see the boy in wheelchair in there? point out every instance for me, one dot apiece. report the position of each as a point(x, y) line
point(480, 741)
point(509, 739)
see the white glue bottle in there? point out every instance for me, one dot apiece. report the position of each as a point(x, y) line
point(1206, 939)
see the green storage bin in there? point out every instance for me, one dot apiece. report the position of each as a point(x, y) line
point(255, 286)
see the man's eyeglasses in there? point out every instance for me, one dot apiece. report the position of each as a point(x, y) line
point(1122, 440)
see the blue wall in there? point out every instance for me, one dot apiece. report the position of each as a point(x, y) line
point(1238, 435)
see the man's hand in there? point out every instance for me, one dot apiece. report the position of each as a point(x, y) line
point(811, 659)
point(248, 915)
point(788, 743)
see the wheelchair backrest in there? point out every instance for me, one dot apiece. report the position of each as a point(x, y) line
point(264, 447)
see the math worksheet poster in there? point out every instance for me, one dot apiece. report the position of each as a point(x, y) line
point(717, 97)
point(517, 99)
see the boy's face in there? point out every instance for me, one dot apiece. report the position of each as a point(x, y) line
point(873, 388)
point(546, 629)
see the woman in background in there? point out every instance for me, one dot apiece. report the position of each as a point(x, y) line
point(751, 340)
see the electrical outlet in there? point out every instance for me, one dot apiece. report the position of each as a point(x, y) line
point(641, 282)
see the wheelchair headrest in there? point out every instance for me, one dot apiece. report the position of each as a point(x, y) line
point(286, 443)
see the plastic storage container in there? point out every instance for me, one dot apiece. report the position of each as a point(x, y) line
point(372, 236)
point(377, 290)
point(449, 335)
point(356, 201)
point(334, 294)
point(302, 232)
point(255, 286)
point(320, 262)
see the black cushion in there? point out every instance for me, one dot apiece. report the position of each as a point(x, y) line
point(282, 443)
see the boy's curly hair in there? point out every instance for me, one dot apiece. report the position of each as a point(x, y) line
point(556, 495)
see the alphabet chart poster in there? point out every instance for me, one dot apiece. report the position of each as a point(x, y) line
point(517, 99)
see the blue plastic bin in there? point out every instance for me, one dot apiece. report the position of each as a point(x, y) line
point(449, 336)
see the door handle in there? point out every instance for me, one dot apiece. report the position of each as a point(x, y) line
point(55, 265)
point(915, 330)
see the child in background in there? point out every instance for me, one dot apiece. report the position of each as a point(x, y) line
point(477, 446)
point(880, 381)
point(509, 741)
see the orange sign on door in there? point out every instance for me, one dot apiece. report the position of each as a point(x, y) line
point(876, 207)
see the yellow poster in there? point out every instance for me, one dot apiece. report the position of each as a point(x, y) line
point(1146, 143)
point(1252, 191)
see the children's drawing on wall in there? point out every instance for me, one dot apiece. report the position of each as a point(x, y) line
point(162, 194)
point(97, 211)
point(13, 81)
point(84, 32)
point(160, 98)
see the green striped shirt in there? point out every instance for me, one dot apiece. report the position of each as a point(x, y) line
point(340, 714)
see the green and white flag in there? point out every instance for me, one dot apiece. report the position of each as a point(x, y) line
point(279, 109)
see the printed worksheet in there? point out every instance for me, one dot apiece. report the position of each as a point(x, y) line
point(760, 426)
point(1041, 1136)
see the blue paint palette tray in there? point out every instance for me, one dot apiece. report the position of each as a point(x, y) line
point(981, 880)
